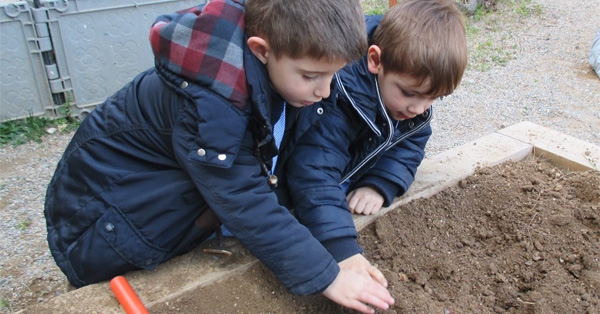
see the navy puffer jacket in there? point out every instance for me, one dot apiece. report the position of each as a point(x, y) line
point(146, 163)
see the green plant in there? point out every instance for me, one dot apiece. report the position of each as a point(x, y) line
point(24, 224)
point(374, 7)
point(67, 124)
point(376, 11)
point(490, 32)
point(471, 29)
point(64, 110)
point(485, 55)
point(18, 132)
point(525, 8)
point(32, 128)
point(480, 12)
point(4, 303)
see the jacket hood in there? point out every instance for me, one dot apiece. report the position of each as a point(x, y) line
point(372, 21)
point(359, 87)
point(205, 44)
point(357, 82)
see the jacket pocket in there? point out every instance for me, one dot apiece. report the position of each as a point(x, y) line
point(110, 248)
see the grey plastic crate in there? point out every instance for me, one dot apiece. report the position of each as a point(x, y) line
point(73, 52)
point(24, 87)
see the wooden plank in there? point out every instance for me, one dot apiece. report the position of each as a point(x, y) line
point(170, 280)
point(559, 148)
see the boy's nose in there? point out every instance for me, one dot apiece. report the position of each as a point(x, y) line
point(419, 107)
point(415, 109)
point(323, 90)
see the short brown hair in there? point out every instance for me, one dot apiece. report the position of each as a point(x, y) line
point(426, 39)
point(334, 29)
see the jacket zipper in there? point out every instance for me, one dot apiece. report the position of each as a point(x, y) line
point(422, 125)
point(371, 124)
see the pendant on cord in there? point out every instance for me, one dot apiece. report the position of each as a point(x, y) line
point(272, 179)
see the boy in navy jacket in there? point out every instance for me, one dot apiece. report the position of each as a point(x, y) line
point(187, 145)
point(371, 139)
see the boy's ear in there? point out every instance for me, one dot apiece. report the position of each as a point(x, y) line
point(260, 48)
point(374, 59)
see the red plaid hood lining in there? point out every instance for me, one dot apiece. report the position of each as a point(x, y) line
point(205, 44)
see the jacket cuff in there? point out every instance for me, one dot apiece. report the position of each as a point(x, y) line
point(342, 248)
point(386, 188)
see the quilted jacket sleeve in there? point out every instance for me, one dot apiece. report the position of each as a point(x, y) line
point(243, 201)
point(393, 174)
point(313, 174)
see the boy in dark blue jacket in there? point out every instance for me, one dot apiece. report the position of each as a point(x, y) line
point(187, 145)
point(371, 139)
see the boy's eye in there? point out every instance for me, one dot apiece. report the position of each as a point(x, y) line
point(310, 77)
point(407, 94)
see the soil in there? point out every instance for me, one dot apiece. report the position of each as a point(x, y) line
point(520, 237)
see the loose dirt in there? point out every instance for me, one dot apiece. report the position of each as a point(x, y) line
point(520, 237)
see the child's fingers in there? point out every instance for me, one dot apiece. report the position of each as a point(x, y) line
point(357, 204)
point(369, 209)
point(351, 201)
point(377, 296)
point(378, 276)
point(364, 201)
point(361, 307)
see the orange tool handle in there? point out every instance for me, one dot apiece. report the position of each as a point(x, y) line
point(126, 296)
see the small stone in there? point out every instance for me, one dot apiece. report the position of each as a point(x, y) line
point(402, 277)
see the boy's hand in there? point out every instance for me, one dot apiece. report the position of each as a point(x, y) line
point(358, 285)
point(364, 200)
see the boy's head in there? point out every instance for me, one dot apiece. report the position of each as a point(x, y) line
point(304, 42)
point(419, 52)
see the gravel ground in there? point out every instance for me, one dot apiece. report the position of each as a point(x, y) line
point(529, 62)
